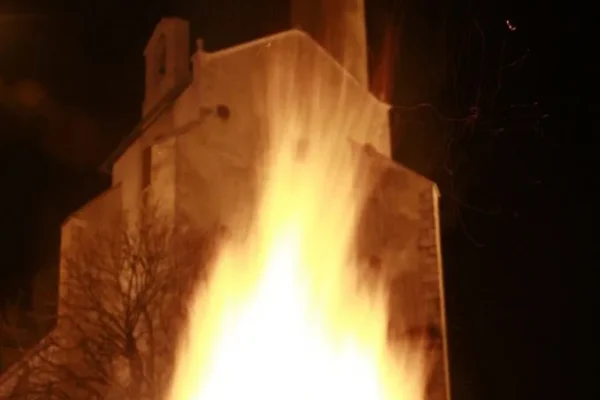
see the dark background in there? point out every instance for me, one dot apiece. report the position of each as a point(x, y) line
point(483, 109)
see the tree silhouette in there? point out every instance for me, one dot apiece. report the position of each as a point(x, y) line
point(124, 292)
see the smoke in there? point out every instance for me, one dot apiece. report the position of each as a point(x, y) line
point(66, 133)
point(29, 93)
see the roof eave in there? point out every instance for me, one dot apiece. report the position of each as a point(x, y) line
point(146, 121)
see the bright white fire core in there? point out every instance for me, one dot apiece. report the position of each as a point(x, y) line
point(283, 315)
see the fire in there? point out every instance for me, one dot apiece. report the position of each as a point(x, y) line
point(284, 314)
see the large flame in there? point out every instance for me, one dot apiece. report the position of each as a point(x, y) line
point(284, 314)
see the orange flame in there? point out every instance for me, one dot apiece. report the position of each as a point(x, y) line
point(284, 315)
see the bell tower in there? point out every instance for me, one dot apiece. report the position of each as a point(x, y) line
point(167, 57)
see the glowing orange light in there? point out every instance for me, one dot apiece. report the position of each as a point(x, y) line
point(284, 315)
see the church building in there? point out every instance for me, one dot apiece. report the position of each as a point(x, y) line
point(198, 140)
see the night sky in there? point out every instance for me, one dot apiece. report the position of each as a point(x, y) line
point(481, 101)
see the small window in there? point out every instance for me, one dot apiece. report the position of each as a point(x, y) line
point(223, 112)
point(161, 57)
point(146, 167)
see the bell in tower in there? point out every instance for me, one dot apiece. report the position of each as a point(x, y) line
point(167, 61)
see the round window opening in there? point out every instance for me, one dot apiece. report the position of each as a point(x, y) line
point(223, 112)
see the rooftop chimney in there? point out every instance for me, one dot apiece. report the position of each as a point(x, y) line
point(338, 26)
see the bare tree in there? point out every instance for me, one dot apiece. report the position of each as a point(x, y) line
point(124, 291)
point(464, 113)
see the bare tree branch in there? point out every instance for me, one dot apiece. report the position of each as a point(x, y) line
point(124, 298)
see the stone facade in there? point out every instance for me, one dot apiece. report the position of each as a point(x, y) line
point(399, 236)
point(196, 148)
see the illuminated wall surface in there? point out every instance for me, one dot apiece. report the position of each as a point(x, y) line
point(205, 132)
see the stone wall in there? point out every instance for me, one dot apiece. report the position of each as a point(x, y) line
point(430, 264)
point(250, 77)
point(399, 238)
